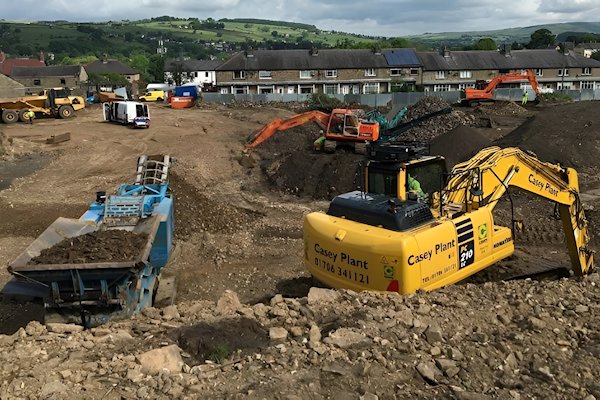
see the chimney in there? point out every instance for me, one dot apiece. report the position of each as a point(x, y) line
point(314, 51)
point(2, 57)
point(445, 52)
point(505, 50)
point(105, 58)
point(42, 60)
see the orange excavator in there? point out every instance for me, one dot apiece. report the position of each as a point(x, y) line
point(341, 127)
point(486, 93)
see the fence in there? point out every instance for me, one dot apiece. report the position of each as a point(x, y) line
point(391, 99)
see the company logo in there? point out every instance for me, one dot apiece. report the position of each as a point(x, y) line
point(482, 231)
point(388, 271)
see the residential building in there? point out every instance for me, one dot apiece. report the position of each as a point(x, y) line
point(201, 72)
point(7, 65)
point(587, 49)
point(10, 88)
point(106, 66)
point(330, 71)
point(37, 78)
point(457, 70)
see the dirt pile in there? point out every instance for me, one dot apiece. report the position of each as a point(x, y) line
point(458, 144)
point(518, 342)
point(196, 212)
point(568, 134)
point(99, 246)
point(501, 108)
point(4, 145)
point(434, 126)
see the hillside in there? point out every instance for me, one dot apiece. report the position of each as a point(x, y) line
point(508, 36)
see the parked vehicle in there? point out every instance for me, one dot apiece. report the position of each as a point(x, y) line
point(52, 102)
point(127, 113)
point(155, 95)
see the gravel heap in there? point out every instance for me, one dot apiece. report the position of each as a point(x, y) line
point(435, 126)
point(504, 340)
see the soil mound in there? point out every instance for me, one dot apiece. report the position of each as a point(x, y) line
point(434, 126)
point(195, 211)
point(459, 144)
point(568, 134)
point(501, 108)
point(290, 164)
point(100, 246)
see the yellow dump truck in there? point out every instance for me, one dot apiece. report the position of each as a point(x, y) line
point(52, 102)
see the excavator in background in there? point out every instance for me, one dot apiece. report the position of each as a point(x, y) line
point(387, 237)
point(485, 91)
point(340, 127)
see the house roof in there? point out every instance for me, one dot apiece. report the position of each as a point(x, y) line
point(516, 59)
point(53, 70)
point(7, 66)
point(401, 57)
point(109, 67)
point(269, 60)
point(193, 65)
point(592, 46)
point(6, 82)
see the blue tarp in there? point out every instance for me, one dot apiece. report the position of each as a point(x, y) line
point(186, 91)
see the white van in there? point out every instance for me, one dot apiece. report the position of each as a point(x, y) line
point(127, 112)
point(158, 86)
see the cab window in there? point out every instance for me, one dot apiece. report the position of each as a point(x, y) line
point(428, 175)
point(383, 182)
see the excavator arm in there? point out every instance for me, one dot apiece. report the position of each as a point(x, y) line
point(259, 136)
point(481, 182)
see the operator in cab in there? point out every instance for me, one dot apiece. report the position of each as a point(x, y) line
point(415, 187)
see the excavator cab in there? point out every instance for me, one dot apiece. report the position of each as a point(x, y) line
point(392, 169)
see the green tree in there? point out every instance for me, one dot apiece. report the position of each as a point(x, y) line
point(485, 44)
point(78, 60)
point(400, 42)
point(156, 67)
point(541, 39)
point(140, 63)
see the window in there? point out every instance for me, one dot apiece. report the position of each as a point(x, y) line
point(37, 82)
point(395, 72)
point(565, 85)
point(563, 72)
point(206, 74)
point(588, 85)
point(306, 89)
point(539, 72)
point(371, 88)
point(264, 75)
point(63, 81)
point(239, 74)
point(265, 89)
point(305, 74)
point(224, 91)
point(330, 89)
point(414, 71)
point(463, 86)
point(586, 71)
point(240, 90)
point(465, 74)
point(370, 72)
point(441, 88)
point(440, 74)
point(331, 73)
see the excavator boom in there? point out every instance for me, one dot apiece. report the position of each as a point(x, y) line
point(488, 92)
point(321, 118)
point(481, 182)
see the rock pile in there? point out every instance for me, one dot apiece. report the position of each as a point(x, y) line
point(434, 126)
point(507, 340)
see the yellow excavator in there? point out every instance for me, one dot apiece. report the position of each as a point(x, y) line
point(387, 237)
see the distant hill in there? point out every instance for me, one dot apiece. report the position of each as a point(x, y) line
point(507, 36)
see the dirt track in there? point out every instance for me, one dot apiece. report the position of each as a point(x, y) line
point(239, 227)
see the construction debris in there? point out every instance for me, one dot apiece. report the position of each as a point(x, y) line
point(63, 137)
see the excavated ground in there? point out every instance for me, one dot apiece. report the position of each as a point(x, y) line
point(239, 228)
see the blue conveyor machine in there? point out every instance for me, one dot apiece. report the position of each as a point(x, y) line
point(94, 293)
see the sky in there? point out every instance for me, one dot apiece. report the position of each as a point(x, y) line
point(391, 18)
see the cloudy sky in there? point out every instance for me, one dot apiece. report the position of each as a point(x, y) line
point(372, 17)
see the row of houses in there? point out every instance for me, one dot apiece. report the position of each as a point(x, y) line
point(336, 71)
